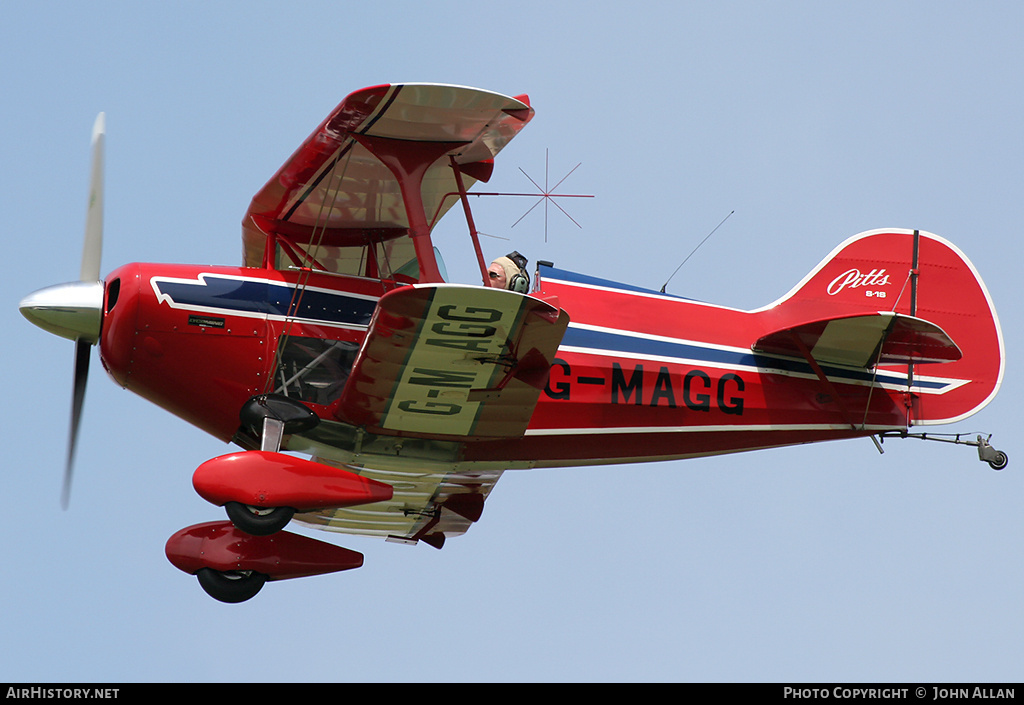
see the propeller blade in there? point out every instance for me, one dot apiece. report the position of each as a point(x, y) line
point(92, 250)
point(92, 247)
point(83, 349)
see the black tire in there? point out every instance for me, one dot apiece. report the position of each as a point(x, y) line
point(232, 587)
point(257, 521)
point(999, 462)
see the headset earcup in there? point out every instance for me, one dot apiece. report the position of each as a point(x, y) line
point(520, 283)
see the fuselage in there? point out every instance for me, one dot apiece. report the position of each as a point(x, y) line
point(639, 376)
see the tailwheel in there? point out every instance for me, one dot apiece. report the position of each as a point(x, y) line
point(258, 521)
point(998, 460)
point(231, 586)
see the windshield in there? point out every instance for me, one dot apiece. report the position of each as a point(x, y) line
point(380, 259)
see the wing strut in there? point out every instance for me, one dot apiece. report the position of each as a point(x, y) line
point(409, 161)
point(464, 197)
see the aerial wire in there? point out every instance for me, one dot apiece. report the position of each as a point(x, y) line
point(694, 250)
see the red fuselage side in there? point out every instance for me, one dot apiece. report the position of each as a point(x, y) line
point(199, 341)
point(639, 375)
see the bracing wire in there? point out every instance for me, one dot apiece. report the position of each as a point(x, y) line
point(319, 231)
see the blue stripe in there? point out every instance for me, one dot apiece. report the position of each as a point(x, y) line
point(265, 298)
point(565, 275)
point(604, 342)
point(638, 345)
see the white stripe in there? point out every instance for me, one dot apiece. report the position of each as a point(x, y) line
point(949, 384)
point(642, 294)
point(617, 430)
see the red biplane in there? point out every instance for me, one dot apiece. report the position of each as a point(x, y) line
point(338, 338)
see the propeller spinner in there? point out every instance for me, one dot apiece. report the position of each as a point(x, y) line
point(75, 310)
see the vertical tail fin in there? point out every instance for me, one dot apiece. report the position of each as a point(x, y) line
point(916, 274)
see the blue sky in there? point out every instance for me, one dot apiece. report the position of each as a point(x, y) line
point(813, 121)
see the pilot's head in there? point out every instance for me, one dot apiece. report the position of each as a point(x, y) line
point(509, 272)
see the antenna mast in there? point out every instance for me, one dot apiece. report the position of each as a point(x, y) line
point(694, 250)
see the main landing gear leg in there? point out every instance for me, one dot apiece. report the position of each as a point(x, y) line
point(270, 416)
point(996, 459)
point(262, 521)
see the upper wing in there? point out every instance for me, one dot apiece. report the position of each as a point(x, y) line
point(452, 361)
point(333, 191)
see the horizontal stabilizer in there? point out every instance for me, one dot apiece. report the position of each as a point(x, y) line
point(863, 341)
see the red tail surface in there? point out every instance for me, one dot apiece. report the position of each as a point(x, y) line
point(913, 274)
